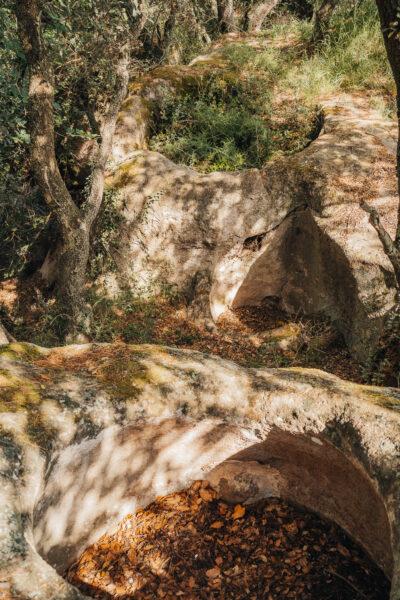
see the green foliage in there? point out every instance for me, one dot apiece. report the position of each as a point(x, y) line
point(212, 134)
point(106, 233)
point(23, 219)
point(14, 138)
point(109, 320)
point(354, 49)
point(229, 121)
point(351, 57)
point(82, 38)
point(234, 119)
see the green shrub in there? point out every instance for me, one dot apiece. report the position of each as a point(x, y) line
point(229, 122)
point(215, 127)
point(23, 219)
point(265, 102)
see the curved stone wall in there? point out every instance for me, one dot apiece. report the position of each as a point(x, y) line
point(93, 485)
point(102, 430)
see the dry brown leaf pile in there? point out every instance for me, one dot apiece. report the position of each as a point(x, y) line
point(190, 545)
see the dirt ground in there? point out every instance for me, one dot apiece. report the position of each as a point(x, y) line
point(261, 336)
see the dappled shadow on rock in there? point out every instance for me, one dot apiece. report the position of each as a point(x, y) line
point(91, 433)
point(282, 339)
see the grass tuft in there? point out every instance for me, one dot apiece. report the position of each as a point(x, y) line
point(265, 102)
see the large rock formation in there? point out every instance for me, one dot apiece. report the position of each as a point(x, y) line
point(89, 433)
point(293, 230)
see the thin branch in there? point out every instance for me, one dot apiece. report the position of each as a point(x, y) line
point(92, 205)
point(388, 244)
point(349, 583)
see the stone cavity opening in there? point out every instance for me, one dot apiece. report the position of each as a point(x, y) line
point(93, 485)
point(302, 267)
point(307, 266)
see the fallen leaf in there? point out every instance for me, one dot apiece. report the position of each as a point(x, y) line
point(343, 551)
point(213, 573)
point(238, 512)
point(217, 525)
point(206, 495)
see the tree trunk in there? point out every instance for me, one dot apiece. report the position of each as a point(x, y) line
point(387, 359)
point(169, 27)
point(41, 117)
point(257, 14)
point(321, 19)
point(75, 223)
point(226, 15)
point(71, 278)
point(388, 15)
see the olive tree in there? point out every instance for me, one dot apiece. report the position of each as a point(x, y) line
point(88, 43)
point(247, 15)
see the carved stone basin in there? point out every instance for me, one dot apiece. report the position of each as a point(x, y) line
point(101, 432)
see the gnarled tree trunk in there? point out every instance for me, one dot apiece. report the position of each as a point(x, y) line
point(256, 16)
point(321, 19)
point(75, 223)
point(387, 360)
point(388, 10)
point(226, 15)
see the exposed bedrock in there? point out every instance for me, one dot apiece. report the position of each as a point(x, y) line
point(292, 230)
point(90, 433)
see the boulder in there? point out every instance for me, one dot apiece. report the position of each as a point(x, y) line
point(293, 230)
point(90, 433)
point(5, 337)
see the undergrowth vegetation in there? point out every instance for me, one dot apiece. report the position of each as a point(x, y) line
point(265, 101)
point(351, 56)
point(234, 118)
point(251, 336)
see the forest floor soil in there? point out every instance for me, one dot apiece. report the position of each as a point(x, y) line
point(253, 336)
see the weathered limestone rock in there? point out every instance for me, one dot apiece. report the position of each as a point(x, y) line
point(3, 336)
point(292, 230)
point(89, 433)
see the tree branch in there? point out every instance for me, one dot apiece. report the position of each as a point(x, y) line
point(388, 244)
point(225, 15)
point(92, 205)
point(41, 121)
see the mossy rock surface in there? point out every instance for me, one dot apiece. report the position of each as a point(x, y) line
point(128, 409)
